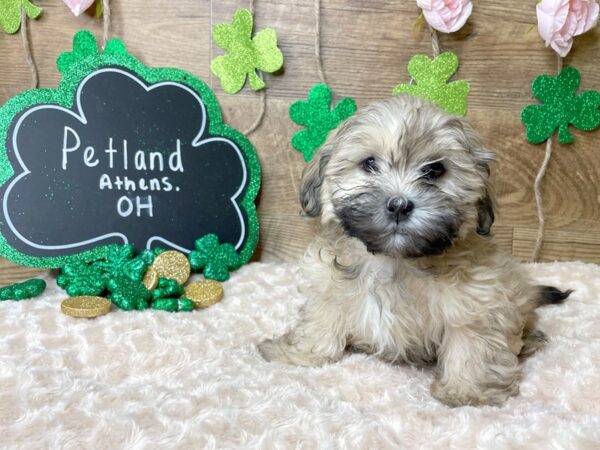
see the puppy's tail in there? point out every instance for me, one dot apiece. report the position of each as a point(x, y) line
point(549, 295)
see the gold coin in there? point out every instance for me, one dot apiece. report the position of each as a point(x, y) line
point(150, 278)
point(85, 306)
point(172, 265)
point(204, 293)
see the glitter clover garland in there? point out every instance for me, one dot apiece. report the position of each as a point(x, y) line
point(316, 115)
point(431, 77)
point(560, 107)
point(10, 14)
point(246, 54)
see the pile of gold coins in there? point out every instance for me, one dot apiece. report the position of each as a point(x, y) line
point(171, 265)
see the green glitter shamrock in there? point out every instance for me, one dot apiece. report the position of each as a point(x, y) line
point(431, 77)
point(79, 278)
point(10, 14)
point(84, 46)
point(173, 304)
point(213, 259)
point(128, 294)
point(20, 291)
point(116, 259)
point(246, 54)
point(167, 288)
point(315, 114)
point(560, 107)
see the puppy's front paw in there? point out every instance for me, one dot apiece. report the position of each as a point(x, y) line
point(290, 351)
point(458, 394)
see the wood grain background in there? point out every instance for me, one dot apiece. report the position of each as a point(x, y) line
point(366, 45)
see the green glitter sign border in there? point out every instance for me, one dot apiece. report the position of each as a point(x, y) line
point(75, 66)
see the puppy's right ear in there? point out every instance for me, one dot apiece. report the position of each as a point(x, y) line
point(312, 179)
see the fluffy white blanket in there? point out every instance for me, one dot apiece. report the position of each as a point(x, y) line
point(195, 380)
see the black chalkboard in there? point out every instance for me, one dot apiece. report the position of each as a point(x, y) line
point(129, 162)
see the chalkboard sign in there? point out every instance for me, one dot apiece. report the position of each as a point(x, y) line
point(121, 153)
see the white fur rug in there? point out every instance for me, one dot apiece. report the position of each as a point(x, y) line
point(195, 380)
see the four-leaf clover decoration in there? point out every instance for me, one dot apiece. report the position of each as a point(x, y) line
point(319, 119)
point(246, 54)
point(214, 259)
point(10, 14)
point(560, 107)
point(431, 77)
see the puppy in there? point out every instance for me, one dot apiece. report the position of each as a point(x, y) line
point(403, 266)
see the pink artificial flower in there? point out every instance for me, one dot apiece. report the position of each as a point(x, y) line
point(446, 16)
point(78, 6)
point(561, 20)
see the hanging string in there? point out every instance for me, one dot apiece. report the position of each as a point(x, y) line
point(27, 48)
point(262, 94)
point(105, 21)
point(435, 42)
point(318, 57)
point(539, 241)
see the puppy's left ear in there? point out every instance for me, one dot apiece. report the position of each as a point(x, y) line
point(312, 179)
point(486, 205)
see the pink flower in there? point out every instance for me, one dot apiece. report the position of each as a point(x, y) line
point(446, 16)
point(560, 20)
point(78, 6)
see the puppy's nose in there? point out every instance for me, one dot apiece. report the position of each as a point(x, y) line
point(399, 207)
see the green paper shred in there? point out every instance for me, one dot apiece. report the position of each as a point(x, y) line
point(560, 107)
point(10, 13)
point(431, 82)
point(20, 291)
point(246, 54)
point(319, 119)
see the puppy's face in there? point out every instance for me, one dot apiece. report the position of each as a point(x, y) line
point(403, 177)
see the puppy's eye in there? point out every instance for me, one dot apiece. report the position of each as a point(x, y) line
point(433, 171)
point(368, 165)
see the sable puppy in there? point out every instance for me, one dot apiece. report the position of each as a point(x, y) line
point(403, 265)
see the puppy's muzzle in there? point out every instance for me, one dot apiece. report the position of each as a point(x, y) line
point(399, 208)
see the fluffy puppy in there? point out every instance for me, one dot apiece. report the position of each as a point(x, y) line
point(403, 266)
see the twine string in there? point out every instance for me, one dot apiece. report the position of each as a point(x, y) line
point(262, 94)
point(435, 42)
point(105, 21)
point(27, 49)
point(318, 57)
point(537, 187)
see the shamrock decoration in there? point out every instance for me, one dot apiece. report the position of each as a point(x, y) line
point(560, 107)
point(84, 46)
point(116, 258)
point(10, 14)
point(215, 260)
point(167, 288)
point(246, 54)
point(432, 77)
point(26, 289)
point(79, 278)
point(128, 294)
point(315, 114)
point(173, 304)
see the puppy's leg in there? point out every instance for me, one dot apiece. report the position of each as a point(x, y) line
point(318, 339)
point(475, 367)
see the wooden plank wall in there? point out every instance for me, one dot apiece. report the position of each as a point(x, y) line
point(366, 45)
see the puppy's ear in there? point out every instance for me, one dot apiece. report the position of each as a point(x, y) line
point(312, 179)
point(486, 205)
point(485, 215)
